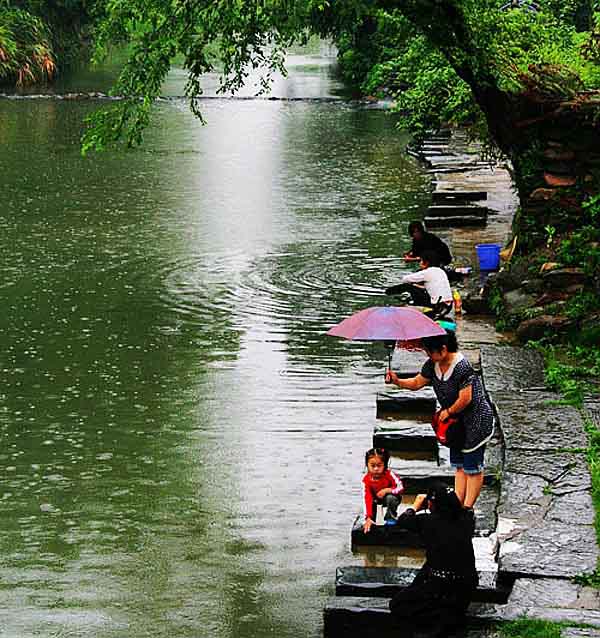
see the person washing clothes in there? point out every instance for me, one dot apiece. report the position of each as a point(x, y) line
point(424, 242)
point(429, 286)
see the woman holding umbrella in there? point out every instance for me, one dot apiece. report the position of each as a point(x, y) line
point(460, 393)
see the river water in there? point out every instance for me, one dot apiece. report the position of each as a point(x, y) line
point(181, 443)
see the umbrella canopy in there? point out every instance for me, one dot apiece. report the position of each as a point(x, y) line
point(386, 323)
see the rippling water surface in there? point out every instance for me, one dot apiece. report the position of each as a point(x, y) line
point(181, 443)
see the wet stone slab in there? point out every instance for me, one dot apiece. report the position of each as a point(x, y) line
point(456, 210)
point(566, 472)
point(580, 633)
point(405, 403)
point(385, 582)
point(485, 522)
point(534, 422)
point(555, 593)
point(410, 438)
point(548, 548)
point(530, 500)
point(509, 369)
point(444, 196)
point(454, 221)
point(350, 616)
point(548, 599)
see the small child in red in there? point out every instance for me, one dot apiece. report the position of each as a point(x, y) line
point(380, 485)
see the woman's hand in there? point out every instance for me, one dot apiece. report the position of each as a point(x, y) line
point(367, 525)
point(383, 492)
point(391, 377)
point(445, 414)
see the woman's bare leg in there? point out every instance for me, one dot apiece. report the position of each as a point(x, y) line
point(474, 485)
point(460, 485)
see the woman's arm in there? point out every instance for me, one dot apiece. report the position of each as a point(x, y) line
point(414, 278)
point(465, 396)
point(414, 383)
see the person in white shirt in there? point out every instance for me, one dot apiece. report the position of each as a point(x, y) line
point(429, 286)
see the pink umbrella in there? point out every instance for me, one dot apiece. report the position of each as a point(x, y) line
point(387, 323)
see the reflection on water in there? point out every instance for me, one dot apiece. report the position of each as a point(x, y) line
point(182, 444)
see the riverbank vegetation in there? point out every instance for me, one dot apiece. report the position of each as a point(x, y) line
point(39, 39)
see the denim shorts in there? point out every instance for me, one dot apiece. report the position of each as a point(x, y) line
point(468, 462)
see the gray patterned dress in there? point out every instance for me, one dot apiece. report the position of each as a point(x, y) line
point(478, 416)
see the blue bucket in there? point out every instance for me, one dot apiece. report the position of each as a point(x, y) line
point(489, 256)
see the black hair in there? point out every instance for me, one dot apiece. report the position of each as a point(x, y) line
point(431, 257)
point(415, 226)
point(381, 452)
point(444, 500)
point(436, 343)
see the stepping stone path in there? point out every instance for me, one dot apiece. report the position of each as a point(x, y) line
point(452, 209)
point(534, 518)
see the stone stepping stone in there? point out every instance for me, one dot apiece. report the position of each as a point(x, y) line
point(382, 535)
point(457, 210)
point(406, 402)
point(353, 616)
point(384, 582)
point(394, 536)
point(454, 222)
point(415, 438)
point(458, 168)
point(443, 197)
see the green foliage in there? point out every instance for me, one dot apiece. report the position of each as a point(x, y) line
point(432, 93)
point(569, 368)
point(25, 52)
point(581, 248)
point(530, 628)
point(434, 54)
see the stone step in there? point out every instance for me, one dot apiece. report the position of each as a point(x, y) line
point(446, 196)
point(352, 616)
point(382, 535)
point(384, 582)
point(394, 536)
point(421, 402)
point(457, 210)
point(415, 438)
point(458, 168)
point(454, 222)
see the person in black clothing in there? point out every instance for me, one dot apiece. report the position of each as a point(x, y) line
point(437, 600)
point(426, 242)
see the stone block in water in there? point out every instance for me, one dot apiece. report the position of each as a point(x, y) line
point(455, 221)
point(457, 210)
point(350, 617)
point(443, 197)
point(384, 582)
point(421, 404)
point(384, 535)
point(416, 438)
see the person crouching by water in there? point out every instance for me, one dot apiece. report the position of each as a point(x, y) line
point(460, 393)
point(423, 242)
point(380, 486)
point(437, 600)
point(428, 287)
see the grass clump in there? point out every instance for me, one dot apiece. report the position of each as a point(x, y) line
point(530, 628)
